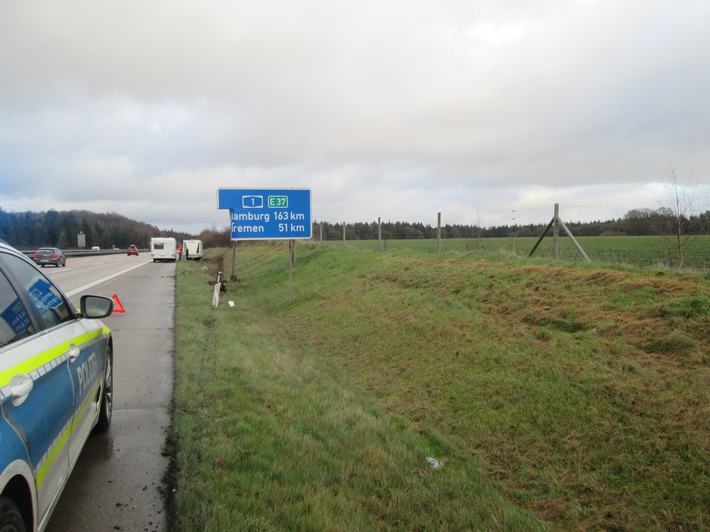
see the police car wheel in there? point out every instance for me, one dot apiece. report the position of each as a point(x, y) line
point(10, 517)
point(107, 396)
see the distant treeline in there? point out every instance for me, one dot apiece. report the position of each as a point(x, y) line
point(26, 230)
point(637, 222)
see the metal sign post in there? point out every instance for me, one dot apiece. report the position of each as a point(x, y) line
point(291, 260)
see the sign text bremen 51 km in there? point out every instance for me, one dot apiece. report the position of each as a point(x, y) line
point(267, 214)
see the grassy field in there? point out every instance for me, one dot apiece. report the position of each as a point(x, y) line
point(629, 250)
point(553, 396)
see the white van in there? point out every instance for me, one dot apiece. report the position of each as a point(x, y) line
point(163, 249)
point(192, 249)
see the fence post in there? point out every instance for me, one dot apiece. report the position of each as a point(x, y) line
point(438, 233)
point(556, 233)
point(555, 223)
point(379, 233)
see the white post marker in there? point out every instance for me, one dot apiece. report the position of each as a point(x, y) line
point(215, 295)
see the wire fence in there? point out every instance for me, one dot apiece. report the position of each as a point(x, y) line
point(573, 214)
point(577, 214)
point(599, 228)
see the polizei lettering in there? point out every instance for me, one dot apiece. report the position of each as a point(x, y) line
point(86, 372)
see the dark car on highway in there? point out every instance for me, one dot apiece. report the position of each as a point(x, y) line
point(54, 256)
point(132, 250)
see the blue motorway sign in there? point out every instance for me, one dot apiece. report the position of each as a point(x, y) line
point(267, 214)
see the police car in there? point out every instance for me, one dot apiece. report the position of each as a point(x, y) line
point(56, 382)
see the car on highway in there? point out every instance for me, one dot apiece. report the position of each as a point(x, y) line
point(49, 256)
point(132, 250)
point(56, 387)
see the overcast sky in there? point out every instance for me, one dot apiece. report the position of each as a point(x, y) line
point(384, 108)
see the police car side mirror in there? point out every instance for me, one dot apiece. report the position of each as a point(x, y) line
point(96, 307)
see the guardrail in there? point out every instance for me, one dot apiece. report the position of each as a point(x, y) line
point(86, 252)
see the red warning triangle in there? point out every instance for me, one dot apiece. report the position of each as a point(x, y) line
point(117, 307)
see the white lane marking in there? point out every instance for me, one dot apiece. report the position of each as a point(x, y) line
point(87, 286)
point(57, 270)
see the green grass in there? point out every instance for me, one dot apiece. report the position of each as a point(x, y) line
point(272, 436)
point(577, 395)
point(631, 250)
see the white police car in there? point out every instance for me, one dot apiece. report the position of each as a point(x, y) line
point(56, 381)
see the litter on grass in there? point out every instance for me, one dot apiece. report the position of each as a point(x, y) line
point(432, 463)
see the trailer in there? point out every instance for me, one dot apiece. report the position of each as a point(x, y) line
point(163, 249)
point(192, 249)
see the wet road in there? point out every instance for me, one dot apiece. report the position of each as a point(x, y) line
point(117, 483)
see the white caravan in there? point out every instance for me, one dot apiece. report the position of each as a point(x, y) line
point(192, 249)
point(163, 249)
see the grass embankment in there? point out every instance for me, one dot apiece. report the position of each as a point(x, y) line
point(578, 395)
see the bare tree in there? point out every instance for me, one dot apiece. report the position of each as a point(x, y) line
point(678, 206)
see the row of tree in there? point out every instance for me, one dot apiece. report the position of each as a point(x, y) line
point(661, 221)
point(28, 230)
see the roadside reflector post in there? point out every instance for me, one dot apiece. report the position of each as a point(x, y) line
point(217, 287)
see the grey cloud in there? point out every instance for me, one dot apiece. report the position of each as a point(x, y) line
point(366, 102)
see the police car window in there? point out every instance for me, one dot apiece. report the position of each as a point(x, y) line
point(15, 323)
point(51, 305)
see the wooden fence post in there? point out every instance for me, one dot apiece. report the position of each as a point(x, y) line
point(556, 233)
point(379, 233)
point(438, 233)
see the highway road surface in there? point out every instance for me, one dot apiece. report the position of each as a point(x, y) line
point(118, 482)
